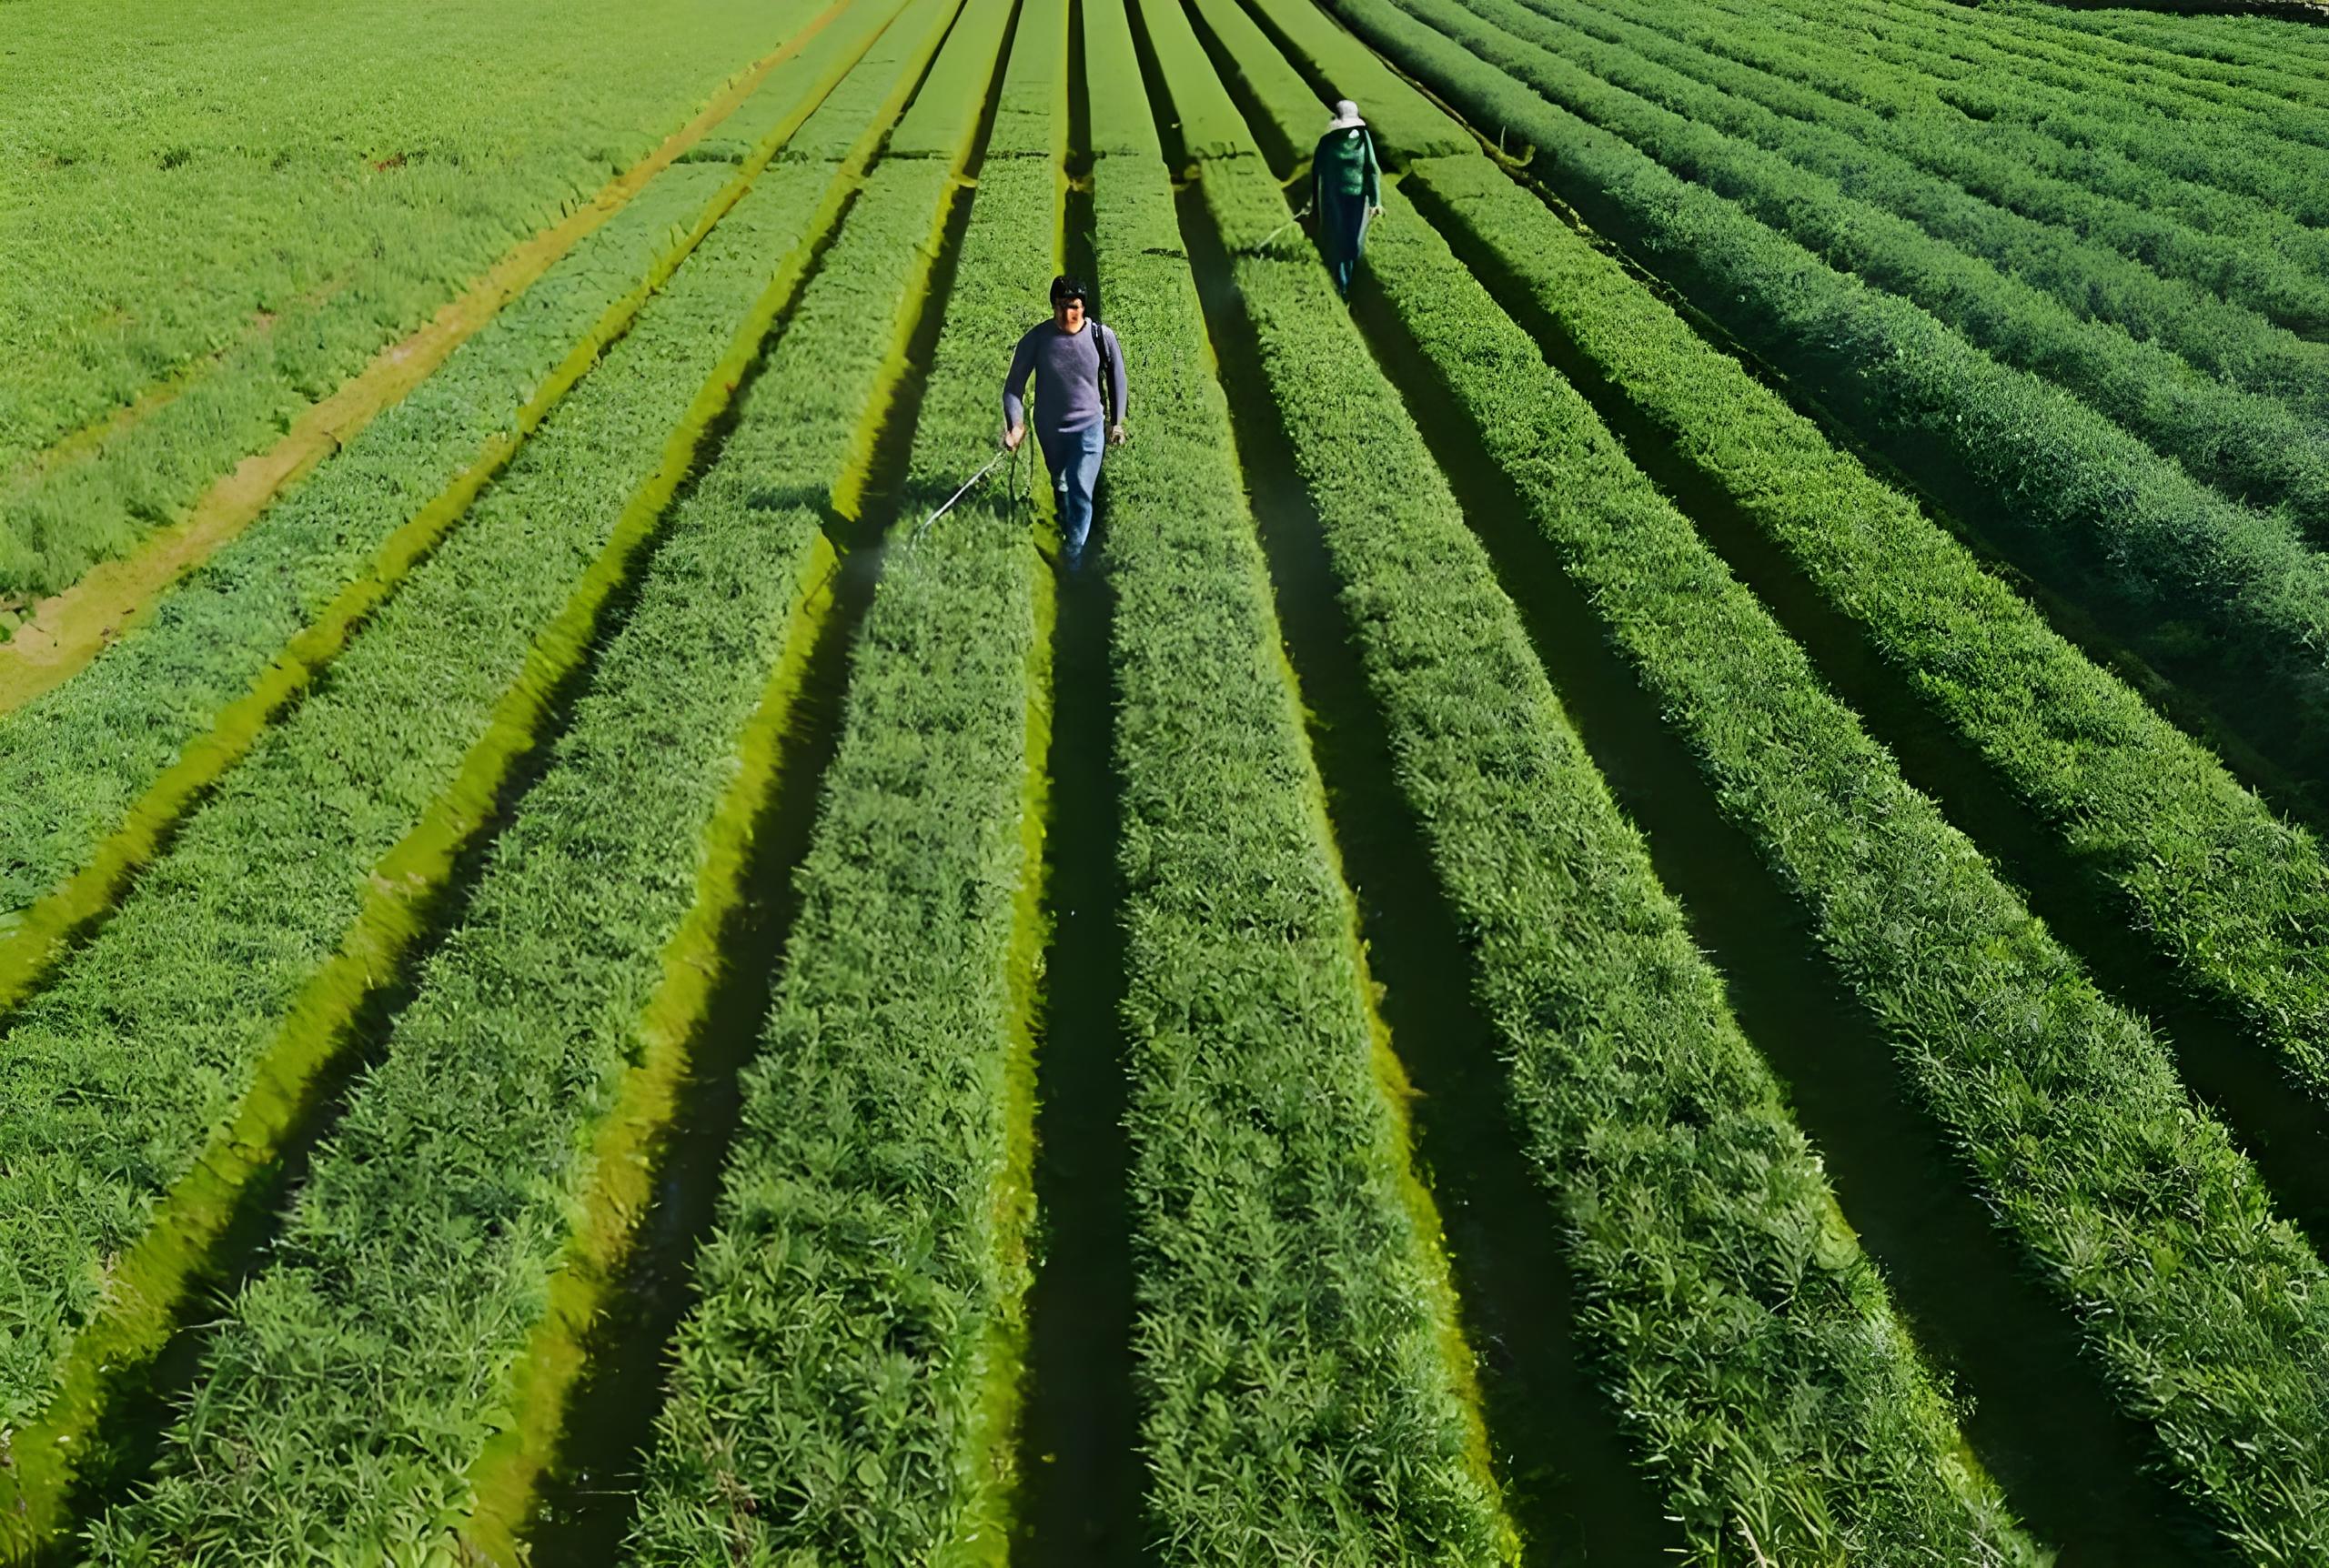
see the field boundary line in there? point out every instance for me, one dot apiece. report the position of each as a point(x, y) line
point(68, 629)
point(31, 944)
point(152, 1278)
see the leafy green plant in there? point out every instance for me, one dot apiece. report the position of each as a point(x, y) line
point(401, 1363)
point(1997, 1027)
point(1305, 1385)
point(158, 1078)
point(2210, 590)
point(1743, 1335)
point(216, 220)
point(845, 1385)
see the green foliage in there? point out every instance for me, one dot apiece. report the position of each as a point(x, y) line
point(2234, 148)
point(72, 762)
point(1207, 123)
point(2207, 586)
point(2248, 251)
point(1294, 1328)
point(225, 982)
point(844, 1386)
point(369, 1363)
point(2237, 401)
point(945, 115)
point(2209, 1312)
point(1121, 121)
point(1693, 1208)
point(1406, 124)
point(2236, 898)
point(243, 205)
point(103, 768)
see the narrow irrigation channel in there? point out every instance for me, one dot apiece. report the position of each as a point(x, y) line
point(1569, 1478)
point(590, 1498)
point(2228, 1067)
point(1079, 1439)
point(2040, 1419)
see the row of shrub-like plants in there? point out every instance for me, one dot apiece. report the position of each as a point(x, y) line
point(401, 1364)
point(2099, 258)
point(2068, 1108)
point(156, 1079)
point(97, 773)
point(2221, 595)
point(2236, 153)
point(845, 1386)
point(2235, 898)
point(2289, 99)
point(1302, 1380)
point(2037, 297)
point(259, 292)
point(2246, 250)
point(1744, 1337)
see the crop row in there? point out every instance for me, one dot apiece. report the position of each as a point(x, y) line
point(2235, 898)
point(2068, 248)
point(1748, 1342)
point(154, 1081)
point(2221, 595)
point(1303, 1382)
point(97, 773)
point(2251, 434)
point(400, 1365)
point(2236, 154)
point(258, 262)
point(2069, 1108)
point(1979, 998)
point(2242, 45)
point(844, 1388)
point(2246, 250)
point(2288, 99)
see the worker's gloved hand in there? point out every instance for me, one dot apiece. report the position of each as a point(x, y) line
point(1116, 435)
point(1011, 435)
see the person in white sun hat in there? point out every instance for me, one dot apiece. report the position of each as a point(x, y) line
point(1345, 191)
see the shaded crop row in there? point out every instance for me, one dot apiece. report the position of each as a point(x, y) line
point(1744, 1337)
point(97, 774)
point(844, 1387)
point(2238, 899)
point(2247, 251)
point(402, 1364)
point(1303, 1384)
point(2068, 1111)
point(153, 1085)
point(2251, 435)
point(2226, 598)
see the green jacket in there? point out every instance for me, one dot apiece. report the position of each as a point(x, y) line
point(1345, 165)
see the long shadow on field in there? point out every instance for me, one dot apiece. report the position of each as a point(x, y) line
point(1079, 1437)
point(129, 1439)
point(591, 1494)
point(2043, 1419)
point(1564, 1465)
point(2278, 748)
point(2284, 1130)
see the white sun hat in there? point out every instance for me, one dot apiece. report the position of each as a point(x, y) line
point(1345, 116)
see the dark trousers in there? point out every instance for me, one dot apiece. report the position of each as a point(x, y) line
point(1342, 232)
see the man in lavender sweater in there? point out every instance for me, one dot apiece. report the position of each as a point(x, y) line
point(1079, 397)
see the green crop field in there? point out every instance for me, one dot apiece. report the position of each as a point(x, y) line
point(1658, 895)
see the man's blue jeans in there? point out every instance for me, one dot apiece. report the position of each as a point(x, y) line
point(1073, 458)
